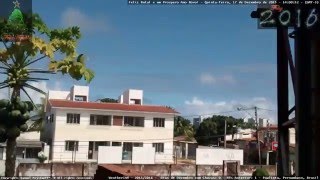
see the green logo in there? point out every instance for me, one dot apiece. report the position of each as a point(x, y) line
point(15, 28)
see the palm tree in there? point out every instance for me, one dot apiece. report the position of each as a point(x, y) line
point(183, 127)
point(17, 61)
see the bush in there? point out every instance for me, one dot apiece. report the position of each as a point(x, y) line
point(260, 173)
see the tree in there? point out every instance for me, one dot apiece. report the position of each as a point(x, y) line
point(211, 129)
point(183, 127)
point(17, 63)
point(108, 100)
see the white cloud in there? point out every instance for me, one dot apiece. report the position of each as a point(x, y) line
point(209, 79)
point(74, 17)
point(201, 107)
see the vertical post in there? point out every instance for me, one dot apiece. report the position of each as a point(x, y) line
point(303, 99)
point(257, 132)
point(283, 100)
point(225, 134)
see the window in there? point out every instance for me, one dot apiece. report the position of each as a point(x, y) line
point(80, 98)
point(159, 147)
point(101, 143)
point(72, 145)
point(116, 143)
point(158, 122)
point(73, 118)
point(134, 121)
point(51, 118)
point(100, 120)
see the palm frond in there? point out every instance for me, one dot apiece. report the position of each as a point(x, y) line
point(34, 88)
point(1, 87)
point(29, 97)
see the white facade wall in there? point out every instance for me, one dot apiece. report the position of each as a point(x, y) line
point(63, 95)
point(84, 132)
point(216, 156)
point(292, 136)
point(130, 94)
point(79, 91)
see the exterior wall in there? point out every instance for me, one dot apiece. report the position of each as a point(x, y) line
point(80, 91)
point(30, 136)
point(65, 95)
point(84, 132)
point(132, 94)
point(292, 136)
point(216, 156)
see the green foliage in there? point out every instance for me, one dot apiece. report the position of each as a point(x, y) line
point(211, 129)
point(108, 100)
point(261, 172)
point(183, 127)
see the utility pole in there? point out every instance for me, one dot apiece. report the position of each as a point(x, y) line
point(268, 134)
point(257, 132)
point(225, 134)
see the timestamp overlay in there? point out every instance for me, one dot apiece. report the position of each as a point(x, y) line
point(214, 2)
point(270, 13)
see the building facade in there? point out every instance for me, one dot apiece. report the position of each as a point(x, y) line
point(76, 127)
point(197, 121)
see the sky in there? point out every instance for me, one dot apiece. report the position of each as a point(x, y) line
point(201, 60)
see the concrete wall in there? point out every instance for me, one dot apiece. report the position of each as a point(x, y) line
point(2, 167)
point(215, 156)
point(79, 91)
point(193, 170)
point(292, 136)
point(64, 95)
point(30, 136)
point(64, 132)
point(56, 169)
point(132, 94)
point(143, 155)
point(109, 155)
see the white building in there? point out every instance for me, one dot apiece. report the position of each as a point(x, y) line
point(75, 127)
point(241, 134)
point(197, 121)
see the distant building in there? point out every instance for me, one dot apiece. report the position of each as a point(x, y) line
point(197, 121)
point(251, 120)
point(263, 122)
point(76, 127)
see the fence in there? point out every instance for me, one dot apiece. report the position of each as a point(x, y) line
point(56, 169)
point(83, 152)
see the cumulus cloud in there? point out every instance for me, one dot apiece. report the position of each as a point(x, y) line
point(74, 17)
point(196, 106)
point(209, 79)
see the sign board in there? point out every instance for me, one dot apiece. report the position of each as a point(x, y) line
point(274, 146)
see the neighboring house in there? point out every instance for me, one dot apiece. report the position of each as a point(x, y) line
point(75, 127)
point(28, 147)
point(268, 135)
point(241, 134)
point(185, 148)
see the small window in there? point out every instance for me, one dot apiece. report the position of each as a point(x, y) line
point(73, 118)
point(101, 143)
point(158, 122)
point(72, 145)
point(116, 143)
point(80, 98)
point(159, 147)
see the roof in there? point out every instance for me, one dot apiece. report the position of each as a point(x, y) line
point(110, 106)
point(184, 139)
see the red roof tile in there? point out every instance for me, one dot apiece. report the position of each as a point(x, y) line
point(109, 106)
